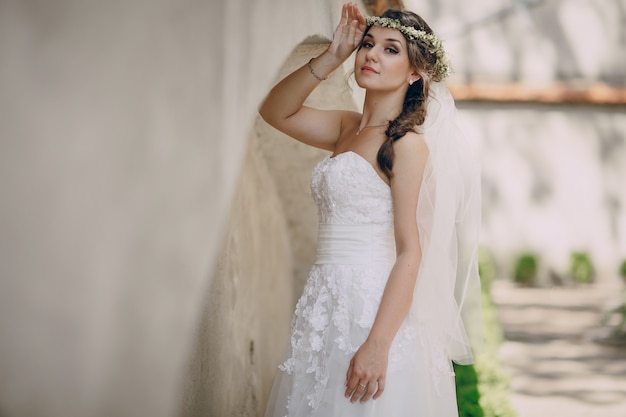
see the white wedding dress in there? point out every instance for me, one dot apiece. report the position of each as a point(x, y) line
point(356, 252)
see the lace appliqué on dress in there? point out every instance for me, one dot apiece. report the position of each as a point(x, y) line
point(326, 318)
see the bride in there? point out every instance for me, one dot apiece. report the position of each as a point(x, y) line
point(382, 313)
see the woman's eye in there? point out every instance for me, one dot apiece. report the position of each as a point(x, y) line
point(391, 51)
point(366, 45)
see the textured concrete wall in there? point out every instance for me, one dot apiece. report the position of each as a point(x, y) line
point(123, 131)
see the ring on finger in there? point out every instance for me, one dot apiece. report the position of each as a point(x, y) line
point(362, 385)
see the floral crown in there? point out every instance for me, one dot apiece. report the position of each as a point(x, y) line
point(435, 45)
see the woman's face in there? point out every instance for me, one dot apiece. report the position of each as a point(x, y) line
point(382, 62)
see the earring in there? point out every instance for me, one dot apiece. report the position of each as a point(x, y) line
point(410, 82)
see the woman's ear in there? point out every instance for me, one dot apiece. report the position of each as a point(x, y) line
point(414, 77)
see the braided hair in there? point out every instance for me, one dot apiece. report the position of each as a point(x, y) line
point(413, 111)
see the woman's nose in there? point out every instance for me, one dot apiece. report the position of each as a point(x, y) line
point(372, 54)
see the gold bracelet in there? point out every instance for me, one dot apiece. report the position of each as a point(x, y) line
point(313, 72)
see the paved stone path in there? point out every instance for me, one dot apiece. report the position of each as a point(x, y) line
point(557, 367)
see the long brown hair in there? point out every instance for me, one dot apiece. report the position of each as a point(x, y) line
point(413, 111)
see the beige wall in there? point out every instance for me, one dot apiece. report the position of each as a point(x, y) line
point(123, 133)
point(553, 183)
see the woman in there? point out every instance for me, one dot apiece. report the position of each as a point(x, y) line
point(380, 317)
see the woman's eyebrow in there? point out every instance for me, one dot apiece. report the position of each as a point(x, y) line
point(368, 35)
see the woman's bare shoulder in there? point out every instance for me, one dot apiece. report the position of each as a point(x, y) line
point(410, 145)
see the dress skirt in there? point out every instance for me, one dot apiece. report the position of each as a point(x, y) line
point(333, 318)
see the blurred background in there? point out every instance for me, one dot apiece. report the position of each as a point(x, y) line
point(155, 233)
point(541, 83)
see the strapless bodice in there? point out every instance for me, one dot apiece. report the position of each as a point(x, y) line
point(348, 190)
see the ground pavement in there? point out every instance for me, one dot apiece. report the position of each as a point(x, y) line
point(551, 352)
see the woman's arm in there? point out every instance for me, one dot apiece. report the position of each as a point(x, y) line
point(369, 364)
point(283, 107)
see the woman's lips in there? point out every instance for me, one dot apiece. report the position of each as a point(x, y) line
point(368, 69)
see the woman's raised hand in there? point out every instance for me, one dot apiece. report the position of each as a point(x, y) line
point(348, 33)
point(284, 107)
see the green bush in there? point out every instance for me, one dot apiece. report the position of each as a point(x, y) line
point(483, 388)
point(467, 395)
point(525, 272)
point(581, 268)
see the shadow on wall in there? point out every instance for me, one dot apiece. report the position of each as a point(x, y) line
point(611, 149)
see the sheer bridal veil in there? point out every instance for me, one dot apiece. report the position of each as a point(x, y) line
point(446, 300)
